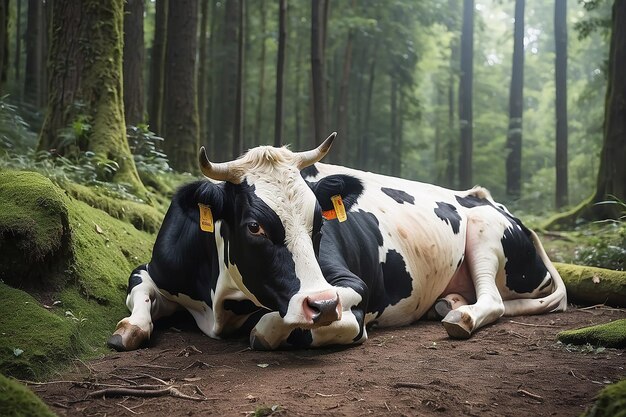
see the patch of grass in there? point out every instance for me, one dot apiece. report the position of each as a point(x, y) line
point(18, 401)
point(611, 402)
point(612, 334)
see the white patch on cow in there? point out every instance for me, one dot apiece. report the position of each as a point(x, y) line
point(201, 311)
point(341, 332)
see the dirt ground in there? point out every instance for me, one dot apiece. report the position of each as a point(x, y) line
point(512, 368)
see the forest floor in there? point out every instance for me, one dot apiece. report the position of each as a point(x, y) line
point(514, 367)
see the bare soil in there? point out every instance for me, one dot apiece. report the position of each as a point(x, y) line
point(514, 367)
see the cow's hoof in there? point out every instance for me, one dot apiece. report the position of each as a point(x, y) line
point(442, 307)
point(458, 324)
point(258, 342)
point(127, 337)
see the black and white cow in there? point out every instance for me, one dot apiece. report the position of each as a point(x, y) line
point(259, 250)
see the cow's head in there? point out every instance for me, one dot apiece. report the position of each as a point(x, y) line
point(266, 216)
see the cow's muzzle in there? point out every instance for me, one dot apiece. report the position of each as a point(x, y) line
point(322, 308)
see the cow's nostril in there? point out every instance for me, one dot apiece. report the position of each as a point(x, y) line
point(322, 311)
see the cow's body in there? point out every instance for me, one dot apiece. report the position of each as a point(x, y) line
point(403, 246)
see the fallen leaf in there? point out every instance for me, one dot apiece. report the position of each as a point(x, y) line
point(595, 279)
point(17, 351)
point(99, 229)
point(194, 379)
point(262, 365)
point(251, 398)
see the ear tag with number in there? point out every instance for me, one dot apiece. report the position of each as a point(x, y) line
point(340, 209)
point(206, 218)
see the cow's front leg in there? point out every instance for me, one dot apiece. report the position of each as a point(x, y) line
point(146, 305)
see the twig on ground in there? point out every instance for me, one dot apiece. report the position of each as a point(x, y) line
point(149, 365)
point(530, 394)
point(197, 364)
point(409, 385)
point(127, 409)
point(530, 324)
point(124, 391)
point(130, 381)
point(154, 378)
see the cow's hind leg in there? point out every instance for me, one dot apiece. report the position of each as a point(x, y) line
point(484, 256)
point(146, 305)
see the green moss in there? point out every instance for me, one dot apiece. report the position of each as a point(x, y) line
point(611, 402)
point(590, 285)
point(97, 253)
point(33, 340)
point(18, 401)
point(611, 334)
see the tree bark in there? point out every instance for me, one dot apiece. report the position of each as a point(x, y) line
point(4, 41)
point(227, 81)
point(86, 82)
point(465, 96)
point(280, 70)
point(180, 116)
point(367, 137)
point(157, 65)
point(202, 68)
point(344, 96)
point(239, 102)
point(258, 120)
point(560, 37)
point(18, 41)
point(318, 13)
point(516, 108)
point(35, 59)
point(133, 62)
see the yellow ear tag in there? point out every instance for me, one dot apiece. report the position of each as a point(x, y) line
point(340, 209)
point(206, 218)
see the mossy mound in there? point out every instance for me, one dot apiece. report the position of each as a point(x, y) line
point(589, 285)
point(611, 402)
point(18, 401)
point(91, 254)
point(611, 334)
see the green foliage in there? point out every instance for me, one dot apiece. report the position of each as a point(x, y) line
point(611, 402)
point(15, 133)
point(605, 250)
point(18, 401)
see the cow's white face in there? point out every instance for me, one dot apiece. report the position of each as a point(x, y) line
point(270, 239)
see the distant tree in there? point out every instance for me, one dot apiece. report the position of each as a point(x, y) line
point(318, 28)
point(4, 41)
point(343, 99)
point(85, 64)
point(180, 111)
point(280, 70)
point(35, 39)
point(203, 68)
point(465, 95)
point(133, 62)
point(157, 65)
point(18, 41)
point(258, 118)
point(516, 107)
point(239, 102)
point(560, 37)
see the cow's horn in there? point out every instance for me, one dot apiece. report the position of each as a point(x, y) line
point(215, 171)
point(308, 158)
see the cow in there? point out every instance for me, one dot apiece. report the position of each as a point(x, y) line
point(295, 253)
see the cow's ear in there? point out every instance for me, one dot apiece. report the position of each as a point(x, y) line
point(348, 187)
point(214, 196)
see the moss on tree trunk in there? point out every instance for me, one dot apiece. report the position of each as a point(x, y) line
point(86, 84)
point(588, 285)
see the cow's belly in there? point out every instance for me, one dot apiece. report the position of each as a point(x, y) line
point(419, 258)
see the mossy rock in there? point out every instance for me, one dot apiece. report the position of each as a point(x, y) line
point(94, 254)
point(611, 402)
point(588, 285)
point(16, 400)
point(612, 334)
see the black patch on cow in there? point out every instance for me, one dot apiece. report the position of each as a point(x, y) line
point(447, 212)
point(309, 172)
point(135, 278)
point(458, 264)
point(359, 315)
point(399, 196)
point(349, 187)
point(240, 307)
point(525, 270)
point(300, 338)
point(395, 285)
point(471, 201)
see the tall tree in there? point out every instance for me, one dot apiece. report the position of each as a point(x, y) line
point(157, 65)
point(465, 95)
point(203, 67)
point(85, 64)
point(4, 40)
point(239, 102)
point(133, 62)
point(516, 107)
point(344, 95)
point(35, 68)
point(18, 41)
point(280, 70)
point(258, 120)
point(318, 26)
point(560, 38)
point(180, 109)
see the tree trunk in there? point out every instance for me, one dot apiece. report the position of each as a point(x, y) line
point(133, 62)
point(318, 12)
point(280, 69)
point(258, 120)
point(202, 69)
point(342, 106)
point(516, 107)
point(4, 41)
point(86, 83)
point(367, 137)
point(35, 60)
point(227, 82)
point(18, 41)
point(180, 115)
point(560, 37)
point(393, 149)
point(239, 102)
point(466, 119)
point(157, 65)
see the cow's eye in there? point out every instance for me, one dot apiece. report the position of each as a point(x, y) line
point(256, 229)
